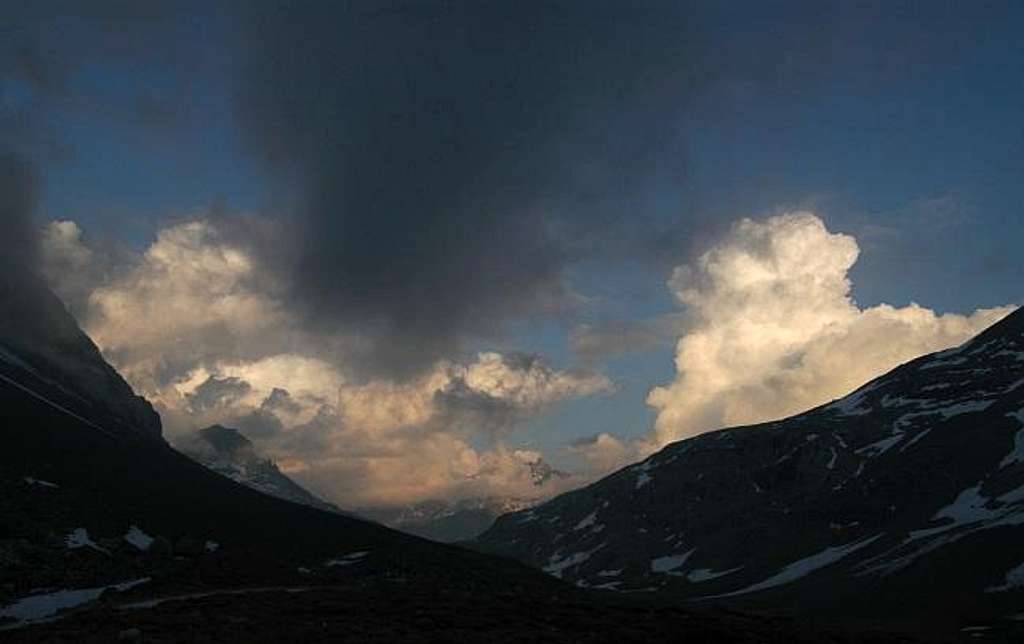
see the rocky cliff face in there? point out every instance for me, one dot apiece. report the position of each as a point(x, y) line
point(905, 496)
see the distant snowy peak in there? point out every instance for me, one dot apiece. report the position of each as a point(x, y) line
point(448, 520)
point(451, 520)
point(922, 465)
point(228, 452)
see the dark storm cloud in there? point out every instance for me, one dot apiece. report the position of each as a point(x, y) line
point(452, 157)
point(459, 404)
point(45, 45)
point(42, 46)
point(264, 422)
point(18, 241)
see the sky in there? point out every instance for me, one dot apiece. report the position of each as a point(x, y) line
point(413, 247)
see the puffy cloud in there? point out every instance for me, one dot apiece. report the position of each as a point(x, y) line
point(198, 324)
point(497, 389)
point(492, 392)
point(527, 381)
point(604, 452)
point(440, 466)
point(194, 296)
point(388, 442)
point(774, 329)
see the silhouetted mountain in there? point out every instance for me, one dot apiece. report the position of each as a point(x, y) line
point(229, 453)
point(100, 517)
point(902, 501)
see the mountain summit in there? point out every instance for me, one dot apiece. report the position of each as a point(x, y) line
point(228, 452)
point(901, 498)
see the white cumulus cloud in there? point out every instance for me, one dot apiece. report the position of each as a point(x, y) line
point(773, 329)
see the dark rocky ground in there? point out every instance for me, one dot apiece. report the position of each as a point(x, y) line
point(392, 610)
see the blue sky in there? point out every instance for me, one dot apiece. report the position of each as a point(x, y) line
point(899, 125)
point(860, 146)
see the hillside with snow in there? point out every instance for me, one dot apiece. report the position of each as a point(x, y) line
point(901, 501)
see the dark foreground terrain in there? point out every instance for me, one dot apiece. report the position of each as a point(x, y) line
point(385, 610)
point(229, 564)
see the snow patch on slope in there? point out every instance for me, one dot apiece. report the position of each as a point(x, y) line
point(971, 511)
point(79, 538)
point(1014, 579)
point(587, 521)
point(348, 560)
point(706, 574)
point(557, 565)
point(39, 482)
point(804, 567)
point(880, 447)
point(138, 538)
point(1016, 455)
point(851, 405)
point(41, 607)
point(668, 564)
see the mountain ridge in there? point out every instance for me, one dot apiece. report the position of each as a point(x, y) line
point(41, 343)
point(877, 490)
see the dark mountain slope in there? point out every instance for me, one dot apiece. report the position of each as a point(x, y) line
point(903, 501)
point(40, 342)
point(82, 456)
point(117, 480)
